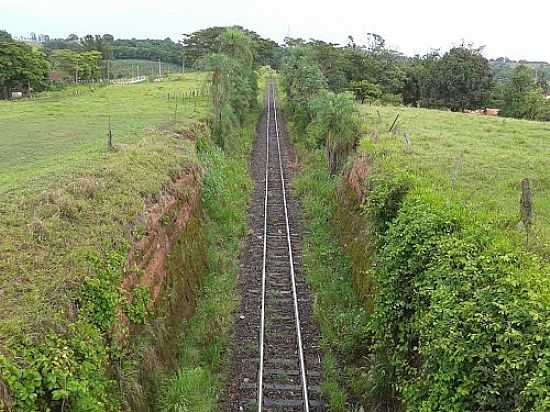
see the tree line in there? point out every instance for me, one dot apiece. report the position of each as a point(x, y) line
point(461, 79)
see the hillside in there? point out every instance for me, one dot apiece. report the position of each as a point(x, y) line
point(503, 68)
point(59, 181)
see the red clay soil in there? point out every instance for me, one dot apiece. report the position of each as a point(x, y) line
point(166, 219)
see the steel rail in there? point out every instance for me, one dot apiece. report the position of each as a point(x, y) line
point(271, 96)
point(292, 273)
point(262, 309)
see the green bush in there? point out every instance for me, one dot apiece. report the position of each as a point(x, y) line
point(234, 83)
point(461, 320)
point(335, 125)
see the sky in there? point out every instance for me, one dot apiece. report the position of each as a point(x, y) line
point(516, 29)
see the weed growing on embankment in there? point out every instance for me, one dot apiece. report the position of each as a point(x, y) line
point(227, 187)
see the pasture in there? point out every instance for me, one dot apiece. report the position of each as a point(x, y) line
point(60, 131)
point(473, 159)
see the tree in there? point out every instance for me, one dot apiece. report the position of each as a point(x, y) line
point(234, 82)
point(523, 98)
point(303, 80)
point(5, 36)
point(21, 66)
point(422, 81)
point(366, 91)
point(201, 43)
point(336, 126)
point(75, 67)
point(465, 79)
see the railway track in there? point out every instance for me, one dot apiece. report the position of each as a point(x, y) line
point(276, 352)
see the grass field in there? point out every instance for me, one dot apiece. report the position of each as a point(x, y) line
point(50, 136)
point(478, 160)
point(63, 197)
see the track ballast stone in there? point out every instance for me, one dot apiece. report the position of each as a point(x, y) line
point(282, 383)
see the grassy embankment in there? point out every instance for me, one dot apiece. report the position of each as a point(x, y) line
point(201, 373)
point(475, 160)
point(439, 222)
point(69, 213)
point(204, 358)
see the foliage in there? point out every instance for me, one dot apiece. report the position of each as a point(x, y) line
point(459, 317)
point(110, 48)
point(201, 43)
point(466, 79)
point(56, 330)
point(204, 349)
point(138, 309)
point(460, 80)
point(75, 67)
point(340, 66)
point(523, 98)
point(102, 44)
point(5, 36)
point(165, 50)
point(366, 91)
point(234, 83)
point(335, 125)
point(69, 370)
point(302, 81)
point(21, 66)
point(474, 159)
point(338, 309)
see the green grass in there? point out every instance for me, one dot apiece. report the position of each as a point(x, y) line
point(63, 197)
point(477, 160)
point(338, 309)
point(59, 132)
point(46, 235)
point(226, 191)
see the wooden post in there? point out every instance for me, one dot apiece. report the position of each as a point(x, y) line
point(408, 144)
point(394, 122)
point(526, 208)
point(110, 136)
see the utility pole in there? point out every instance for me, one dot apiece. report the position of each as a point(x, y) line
point(183, 63)
point(160, 68)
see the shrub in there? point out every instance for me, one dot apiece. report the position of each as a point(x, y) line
point(335, 125)
point(460, 319)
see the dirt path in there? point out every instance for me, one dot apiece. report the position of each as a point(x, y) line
point(282, 381)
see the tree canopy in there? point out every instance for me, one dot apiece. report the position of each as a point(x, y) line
point(21, 66)
point(201, 43)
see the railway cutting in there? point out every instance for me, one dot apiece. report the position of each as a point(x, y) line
point(276, 362)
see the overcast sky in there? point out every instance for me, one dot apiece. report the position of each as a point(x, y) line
point(517, 29)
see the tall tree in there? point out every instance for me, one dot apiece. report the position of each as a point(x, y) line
point(200, 44)
point(465, 79)
point(303, 80)
point(523, 98)
point(21, 66)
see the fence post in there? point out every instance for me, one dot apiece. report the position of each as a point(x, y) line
point(110, 136)
point(526, 208)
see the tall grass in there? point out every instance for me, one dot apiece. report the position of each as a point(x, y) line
point(338, 309)
point(226, 190)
